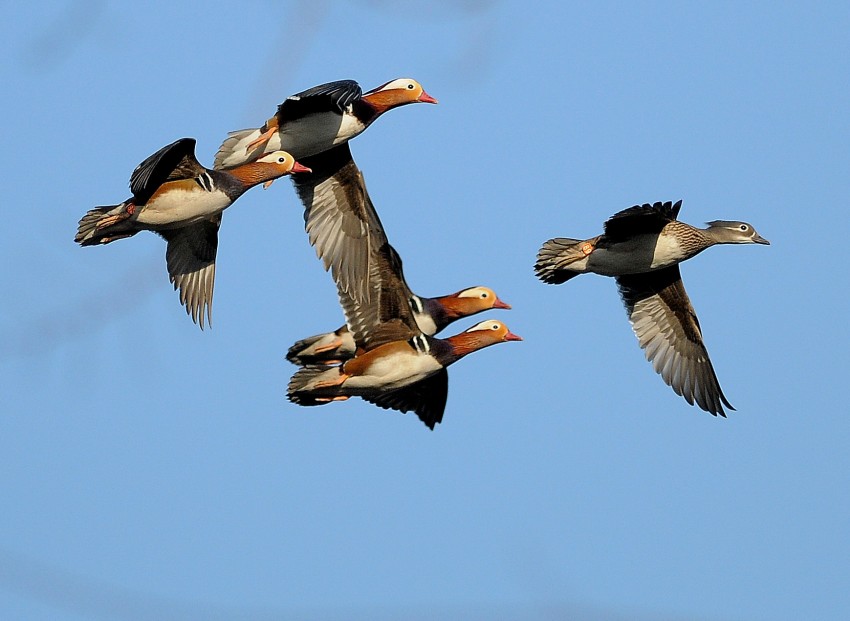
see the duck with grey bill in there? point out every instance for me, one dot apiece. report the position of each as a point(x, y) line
point(641, 247)
point(176, 197)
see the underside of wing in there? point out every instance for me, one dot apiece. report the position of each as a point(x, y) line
point(190, 258)
point(345, 229)
point(340, 220)
point(668, 330)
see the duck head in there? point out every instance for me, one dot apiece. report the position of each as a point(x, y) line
point(735, 232)
point(471, 301)
point(481, 335)
point(396, 93)
point(269, 167)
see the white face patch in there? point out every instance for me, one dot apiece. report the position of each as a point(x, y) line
point(277, 157)
point(482, 293)
point(489, 324)
point(402, 83)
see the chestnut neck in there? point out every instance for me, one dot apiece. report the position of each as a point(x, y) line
point(252, 173)
point(468, 342)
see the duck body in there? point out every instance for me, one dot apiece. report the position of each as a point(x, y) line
point(641, 248)
point(172, 190)
point(636, 255)
point(174, 205)
point(402, 375)
point(638, 240)
point(173, 195)
point(318, 119)
point(179, 203)
point(432, 315)
point(386, 368)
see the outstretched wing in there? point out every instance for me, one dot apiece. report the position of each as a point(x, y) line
point(190, 259)
point(345, 229)
point(667, 328)
point(333, 96)
point(640, 219)
point(174, 161)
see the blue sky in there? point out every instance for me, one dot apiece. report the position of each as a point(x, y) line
point(149, 470)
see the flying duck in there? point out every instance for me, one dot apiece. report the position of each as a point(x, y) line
point(641, 248)
point(319, 118)
point(431, 315)
point(182, 201)
point(402, 369)
point(397, 365)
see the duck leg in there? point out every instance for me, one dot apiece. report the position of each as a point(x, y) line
point(577, 252)
point(331, 384)
point(588, 246)
point(112, 238)
point(330, 346)
point(267, 131)
point(122, 215)
point(339, 381)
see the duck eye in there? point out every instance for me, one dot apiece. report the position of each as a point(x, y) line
point(495, 326)
point(484, 295)
point(743, 227)
point(281, 160)
point(410, 87)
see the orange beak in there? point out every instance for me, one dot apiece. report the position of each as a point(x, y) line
point(298, 168)
point(510, 336)
point(426, 98)
point(499, 304)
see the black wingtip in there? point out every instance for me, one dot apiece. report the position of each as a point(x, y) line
point(676, 207)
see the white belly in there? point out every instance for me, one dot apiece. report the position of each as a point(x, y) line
point(181, 207)
point(397, 372)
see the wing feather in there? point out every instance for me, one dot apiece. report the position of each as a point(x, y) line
point(190, 259)
point(343, 226)
point(667, 328)
point(333, 96)
point(173, 161)
point(640, 219)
